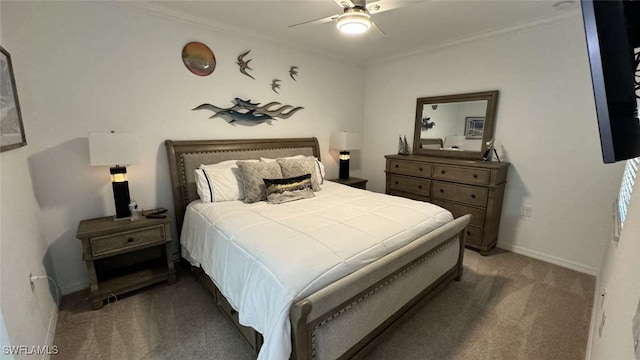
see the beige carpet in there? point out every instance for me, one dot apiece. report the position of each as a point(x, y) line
point(506, 307)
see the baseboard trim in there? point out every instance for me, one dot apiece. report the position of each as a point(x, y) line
point(51, 330)
point(550, 259)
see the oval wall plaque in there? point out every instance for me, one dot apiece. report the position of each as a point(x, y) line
point(198, 58)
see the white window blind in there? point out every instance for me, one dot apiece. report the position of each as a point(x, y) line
point(628, 179)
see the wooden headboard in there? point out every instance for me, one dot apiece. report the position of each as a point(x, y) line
point(186, 156)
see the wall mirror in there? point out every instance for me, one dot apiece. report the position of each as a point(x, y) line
point(456, 126)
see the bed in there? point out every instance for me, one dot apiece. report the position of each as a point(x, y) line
point(343, 309)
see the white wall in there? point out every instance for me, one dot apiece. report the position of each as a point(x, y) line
point(620, 277)
point(546, 128)
point(29, 316)
point(89, 67)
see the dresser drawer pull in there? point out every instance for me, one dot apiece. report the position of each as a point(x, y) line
point(419, 186)
point(475, 176)
point(420, 169)
point(442, 172)
point(233, 312)
point(473, 196)
point(396, 183)
point(468, 232)
point(396, 166)
point(441, 190)
point(129, 240)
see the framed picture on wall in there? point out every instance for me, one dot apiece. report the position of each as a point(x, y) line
point(11, 128)
point(473, 127)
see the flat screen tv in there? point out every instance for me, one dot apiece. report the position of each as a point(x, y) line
point(612, 30)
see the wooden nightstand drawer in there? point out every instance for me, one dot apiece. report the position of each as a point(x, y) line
point(127, 240)
point(409, 168)
point(457, 210)
point(462, 174)
point(409, 184)
point(465, 194)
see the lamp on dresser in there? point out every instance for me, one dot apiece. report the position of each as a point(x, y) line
point(115, 150)
point(345, 142)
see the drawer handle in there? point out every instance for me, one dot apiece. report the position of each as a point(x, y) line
point(420, 169)
point(233, 312)
point(396, 183)
point(441, 190)
point(475, 176)
point(130, 240)
point(396, 166)
point(419, 186)
point(473, 196)
point(442, 172)
point(468, 232)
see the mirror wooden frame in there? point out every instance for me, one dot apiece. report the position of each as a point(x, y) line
point(489, 123)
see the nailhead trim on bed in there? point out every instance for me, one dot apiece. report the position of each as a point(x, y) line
point(378, 288)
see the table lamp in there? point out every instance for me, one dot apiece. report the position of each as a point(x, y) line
point(344, 141)
point(115, 150)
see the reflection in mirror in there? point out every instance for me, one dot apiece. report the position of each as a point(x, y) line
point(455, 125)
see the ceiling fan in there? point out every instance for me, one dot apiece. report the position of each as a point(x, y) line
point(356, 16)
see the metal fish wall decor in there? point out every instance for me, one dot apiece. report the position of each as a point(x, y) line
point(247, 113)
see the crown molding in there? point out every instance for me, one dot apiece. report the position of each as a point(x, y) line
point(160, 11)
point(506, 31)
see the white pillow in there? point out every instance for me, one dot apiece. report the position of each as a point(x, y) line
point(319, 165)
point(219, 182)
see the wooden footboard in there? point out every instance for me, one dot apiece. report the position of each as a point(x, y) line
point(345, 319)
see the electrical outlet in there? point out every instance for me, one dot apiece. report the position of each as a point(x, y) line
point(527, 211)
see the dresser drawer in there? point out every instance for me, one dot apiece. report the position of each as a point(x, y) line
point(409, 168)
point(127, 240)
point(473, 235)
point(472, 195)
point(462, 174)
point(409, 184)
point(477, 214)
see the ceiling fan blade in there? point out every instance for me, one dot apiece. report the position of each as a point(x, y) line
point(375, 7)
point(375, 32)
point(318, 21)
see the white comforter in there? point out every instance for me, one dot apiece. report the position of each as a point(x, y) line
point(265, 257)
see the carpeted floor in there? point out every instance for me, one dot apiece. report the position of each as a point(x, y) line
point(506, 307)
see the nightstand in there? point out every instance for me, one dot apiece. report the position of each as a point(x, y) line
point(122, 256)
point(353, 182)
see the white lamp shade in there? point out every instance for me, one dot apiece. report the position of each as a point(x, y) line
point(344, 141)
point(109, 149)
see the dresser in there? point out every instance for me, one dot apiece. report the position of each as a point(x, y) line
point(460, 186)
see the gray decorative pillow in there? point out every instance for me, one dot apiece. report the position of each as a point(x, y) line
point(289, 189)
point(297, 167)
point(252, 174)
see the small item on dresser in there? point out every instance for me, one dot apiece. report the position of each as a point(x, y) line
point(403, 147)
point(158, 213)
point(133, 209)
point(487, 153)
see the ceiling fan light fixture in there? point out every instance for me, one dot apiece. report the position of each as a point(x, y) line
point(354, 21)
